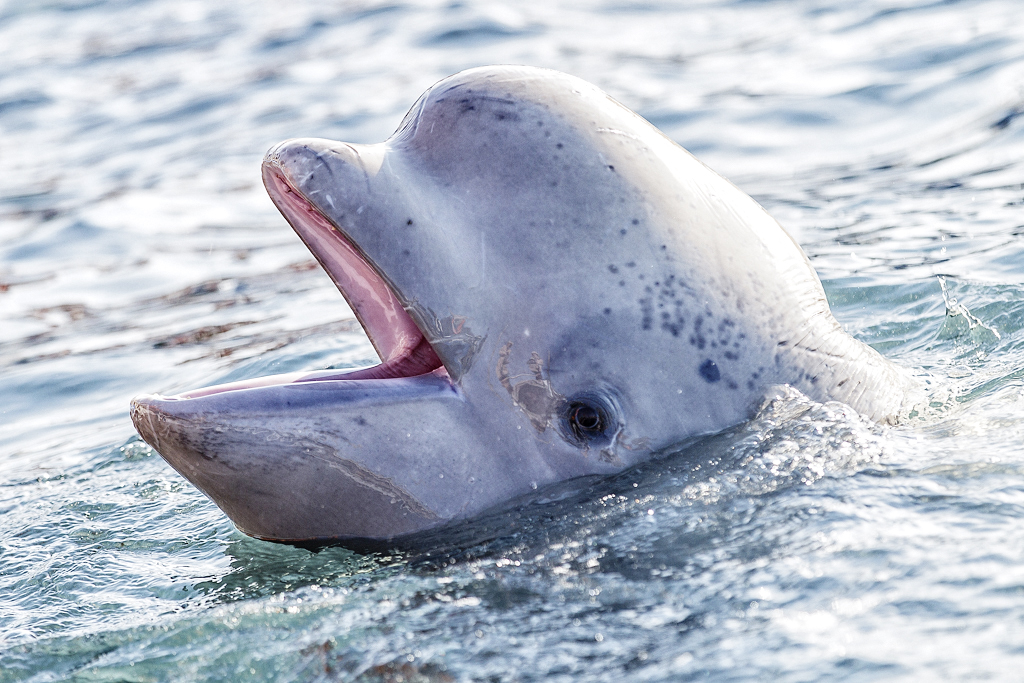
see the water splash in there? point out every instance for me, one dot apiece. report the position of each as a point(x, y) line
point(961, 324)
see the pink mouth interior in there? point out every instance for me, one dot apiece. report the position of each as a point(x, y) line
point(403, 349)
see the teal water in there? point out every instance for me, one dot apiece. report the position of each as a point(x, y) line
point(138, 253)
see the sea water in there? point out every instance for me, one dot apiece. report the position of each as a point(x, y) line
point(139, 253)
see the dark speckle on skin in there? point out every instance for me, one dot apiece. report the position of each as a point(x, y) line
point(673, 319)
point(697, 338)
point(637, 222)
point(611, 168)
point(559, 145)
point(360, 420)
point(669, 292)
point(607, 311)
point(709, 371)
point(409, 222)
point(648, 312)
point(725, 336)
point(613, 268)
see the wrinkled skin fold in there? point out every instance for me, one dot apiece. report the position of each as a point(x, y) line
point(555, 289)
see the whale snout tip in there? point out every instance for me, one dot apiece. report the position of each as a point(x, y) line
point(139, 405)
point(146, 403)
point(273, 155)
point(298, 156)
point(170, 426)
point(284, 150)
point(288, 152)
point(148, 412)
point(145, 399)
point(290, 160)
point(141, 412)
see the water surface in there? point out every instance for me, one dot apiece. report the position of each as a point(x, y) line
point(138, 252)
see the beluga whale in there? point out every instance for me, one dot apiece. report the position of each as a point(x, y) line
point(555, 289)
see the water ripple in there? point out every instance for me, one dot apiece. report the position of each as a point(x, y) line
point(139, 252)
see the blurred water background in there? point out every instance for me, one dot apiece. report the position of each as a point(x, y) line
point(138, 252)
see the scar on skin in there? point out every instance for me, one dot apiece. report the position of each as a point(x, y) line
point(535, 397)
point(608, 455)
point(640, 443)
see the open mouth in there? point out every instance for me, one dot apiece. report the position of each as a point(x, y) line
point(401, 345)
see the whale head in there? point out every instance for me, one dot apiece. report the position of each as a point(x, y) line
point(555, 289)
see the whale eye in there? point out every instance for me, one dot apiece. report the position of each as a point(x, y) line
point(588, 420)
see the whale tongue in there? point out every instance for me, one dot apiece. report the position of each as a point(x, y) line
point(401, 345)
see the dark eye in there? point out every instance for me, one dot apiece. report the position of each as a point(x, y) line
point(588, 420)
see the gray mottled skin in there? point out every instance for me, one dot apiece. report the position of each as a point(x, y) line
point(549, 243)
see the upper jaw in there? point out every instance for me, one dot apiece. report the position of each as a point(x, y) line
point(404, 349)
point(402, 346)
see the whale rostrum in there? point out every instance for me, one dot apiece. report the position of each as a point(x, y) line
point(555, 289)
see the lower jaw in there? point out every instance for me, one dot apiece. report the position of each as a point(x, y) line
point(419, 360)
